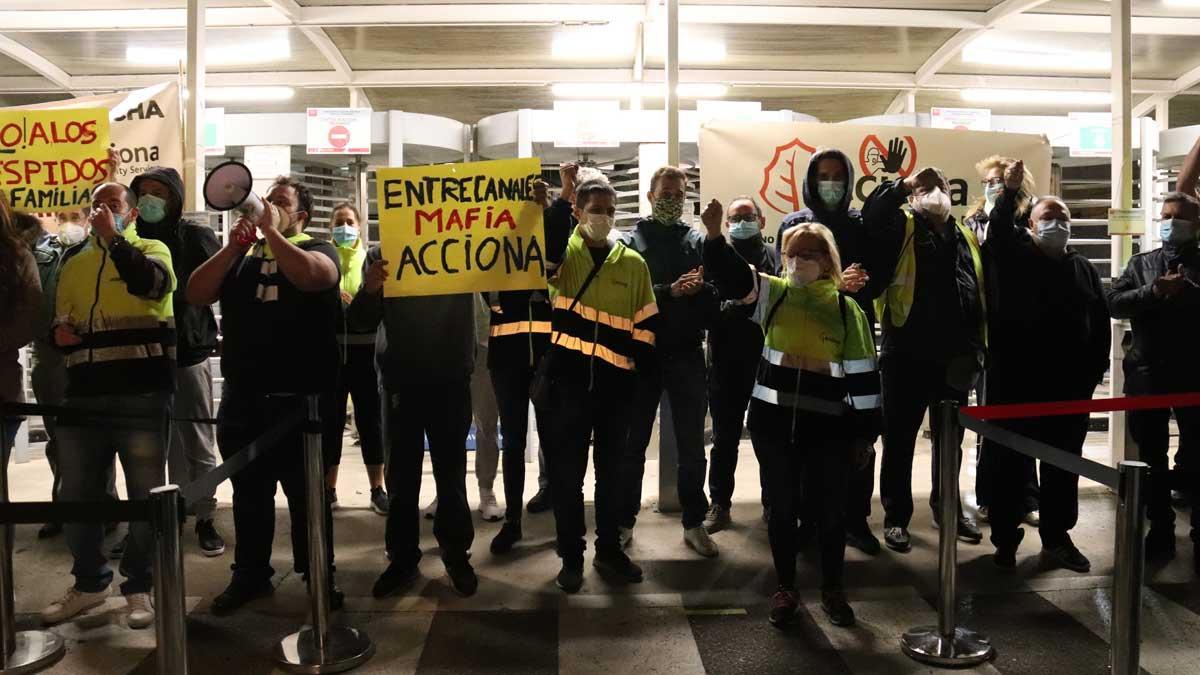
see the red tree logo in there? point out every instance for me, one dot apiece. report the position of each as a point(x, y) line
point(782, 178)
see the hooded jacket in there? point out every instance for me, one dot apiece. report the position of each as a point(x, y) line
point(190, 245)
point(845, 222)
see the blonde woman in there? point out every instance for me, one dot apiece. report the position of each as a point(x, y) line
point(991, 171)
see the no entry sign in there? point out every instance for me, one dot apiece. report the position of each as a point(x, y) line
point(339, 131)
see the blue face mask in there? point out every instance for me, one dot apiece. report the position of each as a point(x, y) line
point(831, 192)
point(119, 222)
point(1177, 232)
point(152, 209)
point(345, 235)
point(743, 229)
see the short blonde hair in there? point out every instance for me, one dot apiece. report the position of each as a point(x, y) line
point(825, 236)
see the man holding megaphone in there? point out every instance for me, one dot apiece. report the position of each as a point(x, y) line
point(278, 290)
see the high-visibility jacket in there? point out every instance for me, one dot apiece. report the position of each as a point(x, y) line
point(351, 261)
point(128, 339)
point(611, 328)
point(518, 327)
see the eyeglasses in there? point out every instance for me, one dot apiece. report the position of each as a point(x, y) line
point(808, 254)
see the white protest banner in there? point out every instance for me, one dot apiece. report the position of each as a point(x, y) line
point(146, 126)
point(769, 160)
point(339, 131)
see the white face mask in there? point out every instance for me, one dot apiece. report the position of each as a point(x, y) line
point(70, 234)
point(1053, 235)
point(803, 272)
point(935, 204)
point(990, 194)
point(596, 226)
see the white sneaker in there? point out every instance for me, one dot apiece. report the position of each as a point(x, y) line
point(430, 511)
point(488, 508)
point(698, 540)
point(72, 604)
point(624, 536)
point(141, 610)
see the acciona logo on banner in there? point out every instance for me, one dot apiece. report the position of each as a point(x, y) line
point(145, 125)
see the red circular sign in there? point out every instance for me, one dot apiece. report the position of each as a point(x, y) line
point(339, 136)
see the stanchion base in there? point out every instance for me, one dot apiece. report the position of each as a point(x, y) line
point(965, 648)
point(345, 648)
point(35, 650)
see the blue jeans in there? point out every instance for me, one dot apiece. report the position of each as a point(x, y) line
point(85, 457)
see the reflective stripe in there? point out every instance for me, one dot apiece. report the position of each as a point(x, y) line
point(798, 401)
point(120, 353)
point(858, 366)
point(592, 349)
point(801, 362)
point(106, 323)
point(646, 336)
point(592, 314)
point(645, 313)
point(518, 327)
point(868, 402)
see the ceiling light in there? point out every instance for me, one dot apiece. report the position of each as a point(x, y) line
point(248, 94)
point(265, 51)
point(594, 90)
point(1033, 58)
point(1034, 97)
point(1182, 3)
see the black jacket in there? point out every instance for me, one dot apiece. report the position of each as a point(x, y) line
point(1162, 357)
point(191, 245)
point(670, 252)
point(735, 338)
point(1048, 321)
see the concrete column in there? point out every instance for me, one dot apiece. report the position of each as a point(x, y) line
point(651, 156)
point(672, 97)
point(524, 133)
point(193, 112)
point(1122, 194)
point(395, 138)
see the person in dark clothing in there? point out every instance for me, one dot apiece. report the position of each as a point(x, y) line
point(1159, 292)
point(735, 344)
point(192, 452)
point(1044, 294)
point(933, 316)
point(688, 305)
point(828, 187)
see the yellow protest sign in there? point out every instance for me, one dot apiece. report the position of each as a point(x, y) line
point(51, 159)
point(461, 228)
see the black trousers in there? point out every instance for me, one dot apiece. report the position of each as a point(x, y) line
point(441, 412)
point(242, 418)
point(1060, 489)
point(730, 383)
point(1150, 429)
point(578, 416)
point(985, 478)
point(682, 378)
point(511, 385)
point(816, 460)
point(358, 380)
point(909, 388)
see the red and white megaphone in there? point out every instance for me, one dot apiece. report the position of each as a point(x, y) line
point(230, 187)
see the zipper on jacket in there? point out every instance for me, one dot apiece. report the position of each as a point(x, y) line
point(96, 301)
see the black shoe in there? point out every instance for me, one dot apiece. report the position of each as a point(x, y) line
point(805, 534)
point(1005, 557)
point(239, 593)
point(1160, 544)
point(968, 531)
point(618, 566)
point(462, 577)
point(211, 543)
point(861, 538)
point(118, 550)
point(834, 604)
point(394, 579)
point(541, 502)
point(784, 605)
point(510, 534)
point(1068, 556)
point(50, 530)
point(570, 577)
point(379, 501)
point(897, 539)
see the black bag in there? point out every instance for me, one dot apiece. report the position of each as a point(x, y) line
point(543, 387)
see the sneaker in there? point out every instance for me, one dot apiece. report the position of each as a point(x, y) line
point(897, 539)
point(985, 514)
point(211, 543)
point(861, 538)
point(717, 519)
point(488, 508)
point(72, 604)
point(624, 536)
point(239, 593)
point(462, 577)
point(430, 511)
point(967, 532)
point(570, 577)
point(834, 604)
point(1066, 555)
point(50, 530)
point(509, 535)
point(379, 501)
point(118, 550)
point(1160, 544)
point(1033, 518)
point(698, 540)
point(618, 566)
point(141, 610)
point(1005, 557)
point(541, 502)
point(331, 498)
point(784, 605)
point(394, 579)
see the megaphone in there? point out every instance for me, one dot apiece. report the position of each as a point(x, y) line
point(230, 187)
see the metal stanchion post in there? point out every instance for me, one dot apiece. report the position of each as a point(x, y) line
point(947, 644)
point(1129, 567)
point(321, 647)
point(170, 621)
point(27, 651)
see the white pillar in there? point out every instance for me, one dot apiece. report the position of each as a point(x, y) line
point(910, 102)
point(1162, 113)
point(651, 156)
point(672, 96)
point(1148, 130)
point(395, 138)
point(193, 115)
point(524, 133)
point(1122, 196)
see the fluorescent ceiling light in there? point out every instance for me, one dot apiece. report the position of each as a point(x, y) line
point(594, 90)
point(1033, 97)
point(266, 51)
point(248, 94)
point(1031, 57)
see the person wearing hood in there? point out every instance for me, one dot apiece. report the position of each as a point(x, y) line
point(933, 314)
point(687, 305)
point(357, 378)
point(1159, 292)
point(192, 452)
point(734, 344)
point(1048, 340)
point(827, 189)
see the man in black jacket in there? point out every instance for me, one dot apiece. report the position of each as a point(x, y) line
point(1049, 340)
point(192, 451)
point(1159, 292)
point(687, 306)
point(734, 346)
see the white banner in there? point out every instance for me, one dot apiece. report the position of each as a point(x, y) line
point(146, 126)
point(769, 160)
